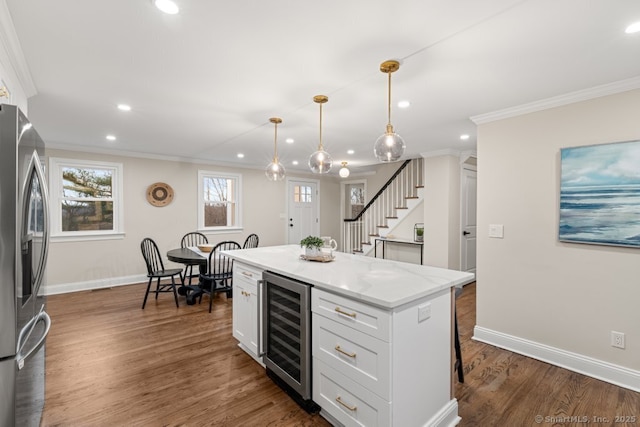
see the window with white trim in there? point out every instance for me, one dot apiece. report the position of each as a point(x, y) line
point(219, 201)
point(86, 199)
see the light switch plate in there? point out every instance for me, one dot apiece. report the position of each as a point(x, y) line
point(496, 231)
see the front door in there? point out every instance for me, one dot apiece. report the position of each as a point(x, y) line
point(302, 210)
point(468, 208)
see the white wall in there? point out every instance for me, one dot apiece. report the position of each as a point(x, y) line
point(442, 211)
point(94, 264)
point(558, 299)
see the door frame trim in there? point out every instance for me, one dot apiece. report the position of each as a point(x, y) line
point(343, 185)
point(470, 167)
point(286, 204)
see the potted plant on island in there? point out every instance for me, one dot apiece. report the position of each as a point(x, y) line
point(312, 245)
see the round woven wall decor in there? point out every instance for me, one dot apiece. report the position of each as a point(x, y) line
point(159, 194)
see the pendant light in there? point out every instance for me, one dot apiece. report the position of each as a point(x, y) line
point(320, 161)
point(389, 147)
point(275, 170)
point(344, 171)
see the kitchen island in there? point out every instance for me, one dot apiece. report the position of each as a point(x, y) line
point(381, 333)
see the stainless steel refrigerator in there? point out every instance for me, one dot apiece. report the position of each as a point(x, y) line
point(24, 240)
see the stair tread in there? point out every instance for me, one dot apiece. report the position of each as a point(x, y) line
point(411, 197)
point(391, 217)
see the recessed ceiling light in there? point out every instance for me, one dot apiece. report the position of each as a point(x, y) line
point(295, 162)
point(464, 137)
point(167, 6)
point(111, 137)
point(633, 28)
point(124, 107)
point(404, 104)
point(240, 156)
point(289, 140)
point(350, 151)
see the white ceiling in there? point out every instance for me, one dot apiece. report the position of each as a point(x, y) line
point(203, 84)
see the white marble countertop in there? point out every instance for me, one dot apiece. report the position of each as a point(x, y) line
point(384, 283)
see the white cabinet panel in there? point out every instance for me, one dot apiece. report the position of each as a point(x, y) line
point(352, 353)
point(362, 317)
point(246, 309)
point(347, 401)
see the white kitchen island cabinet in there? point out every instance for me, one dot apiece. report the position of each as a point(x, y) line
point(246, 320)
point(381, 336)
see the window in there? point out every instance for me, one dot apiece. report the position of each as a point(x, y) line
point(86, 199)
point(356, 199)
point(302, 194)
point(219, 206)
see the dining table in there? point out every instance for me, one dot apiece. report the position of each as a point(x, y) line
point(190, 256)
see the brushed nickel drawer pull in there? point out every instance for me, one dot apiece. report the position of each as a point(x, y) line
point(247, 274)
point(352, 315)
point(340, 350)
point(351, 408)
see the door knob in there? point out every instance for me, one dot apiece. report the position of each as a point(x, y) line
point(464, 233)
point(290, 225)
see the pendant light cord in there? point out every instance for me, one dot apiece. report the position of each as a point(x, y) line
point(320, 147)
point(275, 145)
point(389, 98)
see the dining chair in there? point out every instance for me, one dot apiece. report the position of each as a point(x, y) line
point(191, 239)
point(156, 270)
point(251, 241)
point(219, 276)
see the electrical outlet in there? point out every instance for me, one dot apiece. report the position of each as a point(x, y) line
point(617, 339)
point(424, 312)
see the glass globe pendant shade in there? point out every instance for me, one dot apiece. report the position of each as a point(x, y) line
point(275, 171)
point(344, 171)
point(389, 147)
point(320, 162)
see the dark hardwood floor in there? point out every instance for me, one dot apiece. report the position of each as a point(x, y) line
point(109, 363)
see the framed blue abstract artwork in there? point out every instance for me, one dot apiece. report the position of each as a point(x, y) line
point(600, 194)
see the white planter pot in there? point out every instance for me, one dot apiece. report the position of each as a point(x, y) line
point(311, 252)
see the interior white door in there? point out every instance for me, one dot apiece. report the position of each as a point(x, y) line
point(468, 226)
point(302, 210)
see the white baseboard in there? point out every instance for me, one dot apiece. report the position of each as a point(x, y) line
point(447, 416)
point(93, 284)
point(614, 374)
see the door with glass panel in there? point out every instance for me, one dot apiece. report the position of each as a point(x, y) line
point(302, 210)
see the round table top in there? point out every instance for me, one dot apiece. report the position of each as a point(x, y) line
point(186, 256)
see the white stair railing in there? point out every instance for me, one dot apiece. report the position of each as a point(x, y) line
point(384, 206)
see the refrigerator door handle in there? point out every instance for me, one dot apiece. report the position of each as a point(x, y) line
point(35, 160)
point(21, 356)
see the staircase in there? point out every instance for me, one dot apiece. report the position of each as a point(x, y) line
point(399, 196)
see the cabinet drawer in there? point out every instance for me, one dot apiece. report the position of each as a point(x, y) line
point(246, 272)
point(346, 401)
point(362, 317)
point(359, 356)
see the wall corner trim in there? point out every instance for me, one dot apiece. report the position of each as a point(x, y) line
point(558, 101)
point(605, 371)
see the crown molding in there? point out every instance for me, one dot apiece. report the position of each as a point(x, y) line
point(9, 40)
point(558, 101)
point(443, 152)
